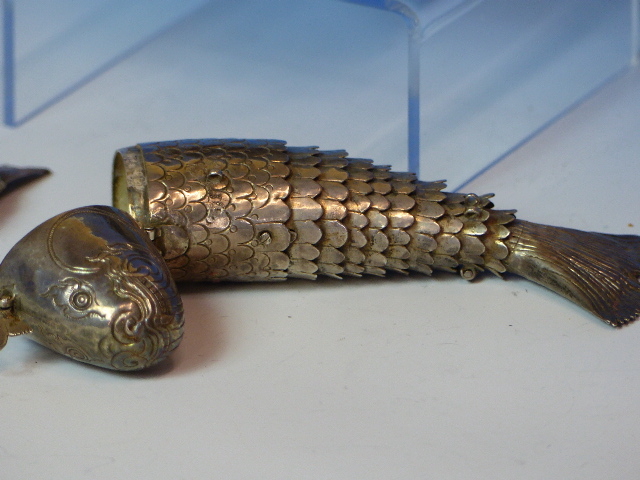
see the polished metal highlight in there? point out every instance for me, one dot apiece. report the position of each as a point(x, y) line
point(88, 284)
point(257, 210)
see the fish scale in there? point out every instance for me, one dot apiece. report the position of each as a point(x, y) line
point(391, 221)
point(309, 213)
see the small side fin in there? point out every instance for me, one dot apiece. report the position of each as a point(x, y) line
point(18, 327)
point(598, 271)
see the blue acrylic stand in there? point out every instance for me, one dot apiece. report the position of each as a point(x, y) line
point(472, 80)
point(50, 48)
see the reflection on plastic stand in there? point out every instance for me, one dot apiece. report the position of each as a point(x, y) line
point(496, 72)
point(480, 77)
point(423, 18)
point(52, 48)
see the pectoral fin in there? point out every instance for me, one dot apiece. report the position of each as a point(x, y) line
point(18, 327)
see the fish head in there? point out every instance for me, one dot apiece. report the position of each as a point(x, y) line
point(89, 284)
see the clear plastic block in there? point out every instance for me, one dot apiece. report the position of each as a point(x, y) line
point(445, 88)
point(50, 48)
point(486, 75)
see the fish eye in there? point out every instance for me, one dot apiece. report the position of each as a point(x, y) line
point(81, 300)
point(6, 300)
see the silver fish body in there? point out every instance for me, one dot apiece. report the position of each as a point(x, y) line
point(258, 210)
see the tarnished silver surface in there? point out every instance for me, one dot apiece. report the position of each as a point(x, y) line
point(257, 210)
point(88, 284)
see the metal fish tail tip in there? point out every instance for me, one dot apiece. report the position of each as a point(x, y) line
point(14, 177)
point(597, 271)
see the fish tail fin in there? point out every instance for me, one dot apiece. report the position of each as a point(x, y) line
point(597, 271)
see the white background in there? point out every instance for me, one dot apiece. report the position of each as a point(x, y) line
point(397, 378)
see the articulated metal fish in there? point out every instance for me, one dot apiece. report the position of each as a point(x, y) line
point(97, 283)
point(256, 210)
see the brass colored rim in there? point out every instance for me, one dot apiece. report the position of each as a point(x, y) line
point(130, 184)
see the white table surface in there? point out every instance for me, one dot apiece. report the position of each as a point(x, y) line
point(409, 378)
